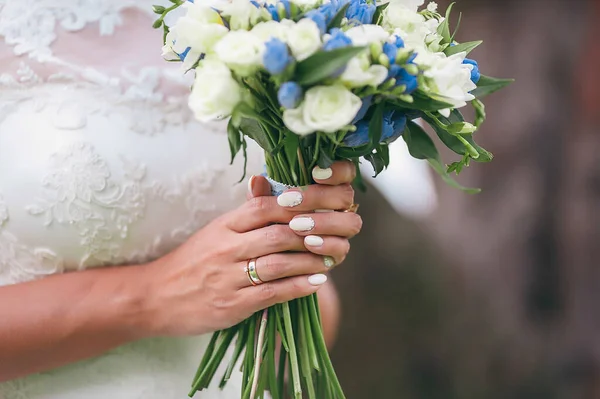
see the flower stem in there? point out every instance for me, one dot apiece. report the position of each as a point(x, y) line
point(287, 320)
point(258, 356)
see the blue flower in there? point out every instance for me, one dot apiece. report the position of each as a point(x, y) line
point(366, 103)
point(276, 57)
point(328, 10)
point(360, 11)
point(358, 137)
point(319, 18)
point(391, 51)
point(475, 74)
point(410, 81)
point(394, 124)
point(272, 8)
point(337, 40)
point(287, 7)
point(289, 95)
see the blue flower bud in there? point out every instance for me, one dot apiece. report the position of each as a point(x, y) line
point(276, 57)
point(287, 7)
point(318, 18)
point(328, 10)
point(337, 40)
point(475, 74)
point(289, 95)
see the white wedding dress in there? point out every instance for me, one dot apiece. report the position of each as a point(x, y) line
point(102, 164)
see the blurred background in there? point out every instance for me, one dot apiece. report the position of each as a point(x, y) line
point(495, 295)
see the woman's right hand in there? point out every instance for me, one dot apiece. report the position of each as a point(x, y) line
point(202, 286)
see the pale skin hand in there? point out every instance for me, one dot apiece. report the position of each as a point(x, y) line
point(198, 288)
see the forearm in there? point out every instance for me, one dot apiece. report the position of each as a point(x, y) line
point(61, 319)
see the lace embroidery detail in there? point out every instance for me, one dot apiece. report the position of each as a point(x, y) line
point(79, 191)
point(19, 263)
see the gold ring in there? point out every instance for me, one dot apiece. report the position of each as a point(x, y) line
point(352, 209)
point(252, 273)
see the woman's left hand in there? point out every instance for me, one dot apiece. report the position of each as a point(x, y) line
point(323, 223)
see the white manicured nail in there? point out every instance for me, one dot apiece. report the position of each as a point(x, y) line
point(250, 185)
point(321, 174)
point(302, 224)
point(290, 199)
point(313, 241)
point(317, 279)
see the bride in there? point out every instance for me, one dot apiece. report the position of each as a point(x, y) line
point(101, 165)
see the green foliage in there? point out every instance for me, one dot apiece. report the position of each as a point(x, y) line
point(488, 85)
point(323, 64)
point(336, 21)
point(466, 47)
point(421, 146)
point(444, 28)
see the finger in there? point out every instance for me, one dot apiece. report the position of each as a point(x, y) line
point(343, 224)
point(269, 240)
point(258, 186)
point(258, 212)
point(333, 249)
point(317, 197)
point(279, 291)
point(341, 172)
point(282, 265)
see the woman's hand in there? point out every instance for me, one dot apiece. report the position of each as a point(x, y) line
point(202, 286)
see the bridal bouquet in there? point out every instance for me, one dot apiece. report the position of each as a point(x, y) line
point(313, 81)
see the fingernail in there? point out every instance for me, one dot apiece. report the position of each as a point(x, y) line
point(328, 261)
point(302, 224)
point(321, 174)
point(313, 241)
point(317, 279)
point(290, 199)
point(250, 181)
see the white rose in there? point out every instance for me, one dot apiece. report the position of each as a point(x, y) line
point(242, 14)
point(303, 38)
point(269, 29)
point(324, 109)
point(448, 77)
point(241, 51)
point(359, 73)
point(308, 4)
point(366, 34)
point(412, 5)
point(215, 93)
point(199, 29)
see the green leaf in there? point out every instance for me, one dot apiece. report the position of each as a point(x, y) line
point(379, 12)
point(355, 152)
point(384, 150)
point(421, 146)
point(323, 64)
point(377, 162)
point(376, 125)
point(235, 140)
point(457, 27)
point(253, 129)
point(422, 103)
point(453, 142)
point(466, 47)
point(488, 85)
point(358, 182)
point(324, 161)
point(244, 110)
point(479, 108)
point(336, 22)
point(444, 28)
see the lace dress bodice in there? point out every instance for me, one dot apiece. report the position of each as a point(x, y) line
point(102, 164)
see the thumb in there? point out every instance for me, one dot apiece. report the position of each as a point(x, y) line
point(258, 186)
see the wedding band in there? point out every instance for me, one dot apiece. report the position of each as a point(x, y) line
point(352, 209)
point(252, 273)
